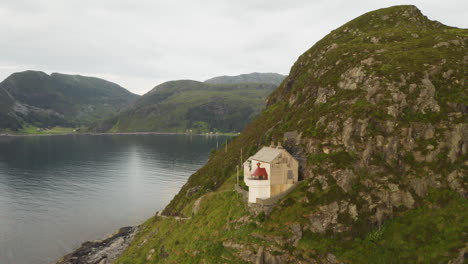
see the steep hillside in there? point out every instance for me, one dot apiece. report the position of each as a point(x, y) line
point(8, 119)
point(377, 115)
point(59, 99)
point(177, 106)
point(255, 77)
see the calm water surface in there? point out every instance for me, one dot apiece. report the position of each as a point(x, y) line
point(59, 191)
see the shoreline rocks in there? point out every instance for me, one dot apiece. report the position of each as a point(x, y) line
point(101, 251)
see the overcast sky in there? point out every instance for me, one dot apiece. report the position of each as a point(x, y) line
point(139, 44)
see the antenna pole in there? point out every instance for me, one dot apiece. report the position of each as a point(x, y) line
point(241, 158)
point(237, 167)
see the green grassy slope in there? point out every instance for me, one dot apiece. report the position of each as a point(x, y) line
point(60, 99)
point(176, 106)
point(379, 106)
point(431, 233)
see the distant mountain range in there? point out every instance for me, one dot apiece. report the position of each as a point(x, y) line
point(255, 77)
point(222, 104)
point(225, 103)
point(35, 98)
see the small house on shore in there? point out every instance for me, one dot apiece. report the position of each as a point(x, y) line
point(270, 172)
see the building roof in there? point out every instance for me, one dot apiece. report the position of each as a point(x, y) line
point(267, 154)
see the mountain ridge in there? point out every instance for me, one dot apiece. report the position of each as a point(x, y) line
point(188, 105)
point(254, 77)
point(59, 99)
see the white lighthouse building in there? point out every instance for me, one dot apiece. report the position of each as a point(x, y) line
point(271, 171)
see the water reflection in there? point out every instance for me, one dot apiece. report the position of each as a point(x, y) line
point(56, 192)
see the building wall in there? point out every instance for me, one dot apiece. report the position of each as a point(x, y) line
point(280, 171)
point(257, 188)
point(277, 182)
point(247, 171)
point(276, 176)
point(295, 169)
point(259, 191)
point(279, 188)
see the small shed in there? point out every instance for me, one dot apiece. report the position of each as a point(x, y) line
point(270, 172)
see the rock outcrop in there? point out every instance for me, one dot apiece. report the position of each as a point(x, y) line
point(383, 127)
point(102, 251)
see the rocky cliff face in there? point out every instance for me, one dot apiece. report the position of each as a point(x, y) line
point(376, 112)
point(380, 108)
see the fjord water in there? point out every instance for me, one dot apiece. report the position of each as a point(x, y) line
point(59, 191)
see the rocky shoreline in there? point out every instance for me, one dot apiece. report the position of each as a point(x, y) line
point(102, 251)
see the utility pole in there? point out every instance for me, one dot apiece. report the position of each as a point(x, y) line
point(237, 167)
point(241, 160)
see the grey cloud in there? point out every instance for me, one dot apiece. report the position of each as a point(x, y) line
point(139, 44)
